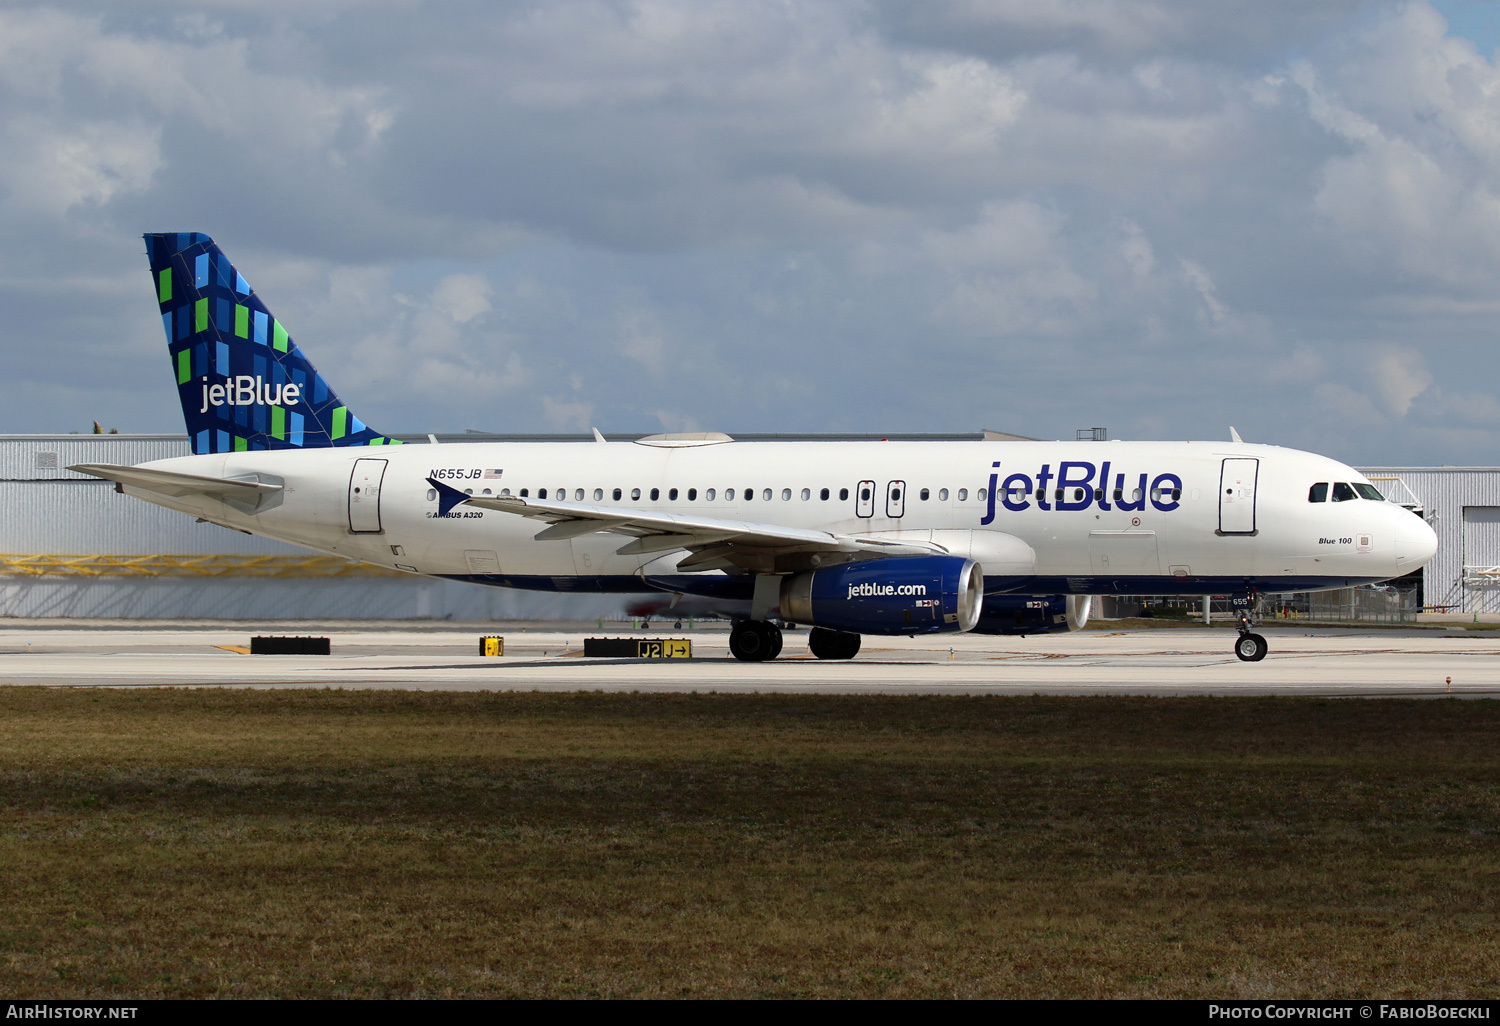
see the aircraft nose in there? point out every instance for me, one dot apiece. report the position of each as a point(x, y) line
point(1416, 542)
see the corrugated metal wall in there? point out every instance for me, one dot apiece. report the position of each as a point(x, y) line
point(45, 457)
point(84, 517)
point(1445, 492)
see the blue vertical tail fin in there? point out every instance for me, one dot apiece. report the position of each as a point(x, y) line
point(242, 381)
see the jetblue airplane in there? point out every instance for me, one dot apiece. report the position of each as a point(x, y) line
point(849, 538)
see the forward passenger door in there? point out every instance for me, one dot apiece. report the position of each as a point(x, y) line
point(1237, 496)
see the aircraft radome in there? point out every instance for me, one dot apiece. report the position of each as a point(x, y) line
point(850, 538)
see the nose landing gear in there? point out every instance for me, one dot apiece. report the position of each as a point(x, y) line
point(1249, 646)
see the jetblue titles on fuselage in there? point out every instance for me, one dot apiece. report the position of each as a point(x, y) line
point(1078, 485)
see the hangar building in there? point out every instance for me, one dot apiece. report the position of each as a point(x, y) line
point(1463, 506)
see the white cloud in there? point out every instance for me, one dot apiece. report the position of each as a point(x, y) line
point(49, 171)
point(564, 413)
point(463, 297)
point(1400, 375)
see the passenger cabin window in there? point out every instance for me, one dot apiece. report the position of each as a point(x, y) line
point(729, 495)
point(616, 494)
point(823, 495)
point(635, 494)
point(765, 494)
point(672, 495)
point(598, 494)
point(692, 494)
point(963, 495)
point(843, 495)
point(655, 494)
point(749, 494)
point(943, 494)
point(923, 494)
point(1369, 492)
point(708, 496)
point(806, 494)
point(1318, 492)
point(1343, 493)
point(786, 494)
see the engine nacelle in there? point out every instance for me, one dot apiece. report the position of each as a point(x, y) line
point(898, 595)
point(1033, 614)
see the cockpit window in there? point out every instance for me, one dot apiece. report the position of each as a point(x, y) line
point(1318, 492)
point(1343, 493)
point(1368, 492)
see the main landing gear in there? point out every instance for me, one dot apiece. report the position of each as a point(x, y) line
point(827, 644)
point(1249, 646)
point(752, 641)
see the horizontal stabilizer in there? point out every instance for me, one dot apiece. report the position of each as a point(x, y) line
point(166, 482)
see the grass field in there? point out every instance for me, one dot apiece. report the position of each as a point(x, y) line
point(279, 843)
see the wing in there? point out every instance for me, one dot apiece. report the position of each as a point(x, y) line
point(166, 482)
point(714, 543)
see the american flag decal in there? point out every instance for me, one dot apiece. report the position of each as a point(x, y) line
point(493, 475)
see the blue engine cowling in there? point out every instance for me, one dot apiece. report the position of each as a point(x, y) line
point(1023, 614)
point(897, 595)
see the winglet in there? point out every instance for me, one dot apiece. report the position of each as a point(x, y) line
point(1234, 436)
point(448, 496)
point(597, 436)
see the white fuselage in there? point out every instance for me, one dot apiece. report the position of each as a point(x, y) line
point(1190, 530)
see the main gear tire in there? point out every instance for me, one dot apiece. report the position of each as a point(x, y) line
point(827, 644)
point(754, 641)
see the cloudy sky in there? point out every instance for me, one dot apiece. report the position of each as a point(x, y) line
point(1159, 216)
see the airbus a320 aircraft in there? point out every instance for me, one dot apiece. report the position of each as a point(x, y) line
point(850, 538)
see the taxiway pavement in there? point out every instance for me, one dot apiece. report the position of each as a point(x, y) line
point(1155, 661)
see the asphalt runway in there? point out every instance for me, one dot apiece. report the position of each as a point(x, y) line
point(1155, 661)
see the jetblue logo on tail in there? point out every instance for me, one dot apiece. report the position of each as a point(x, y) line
point(244, 390)
point(242, 381)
